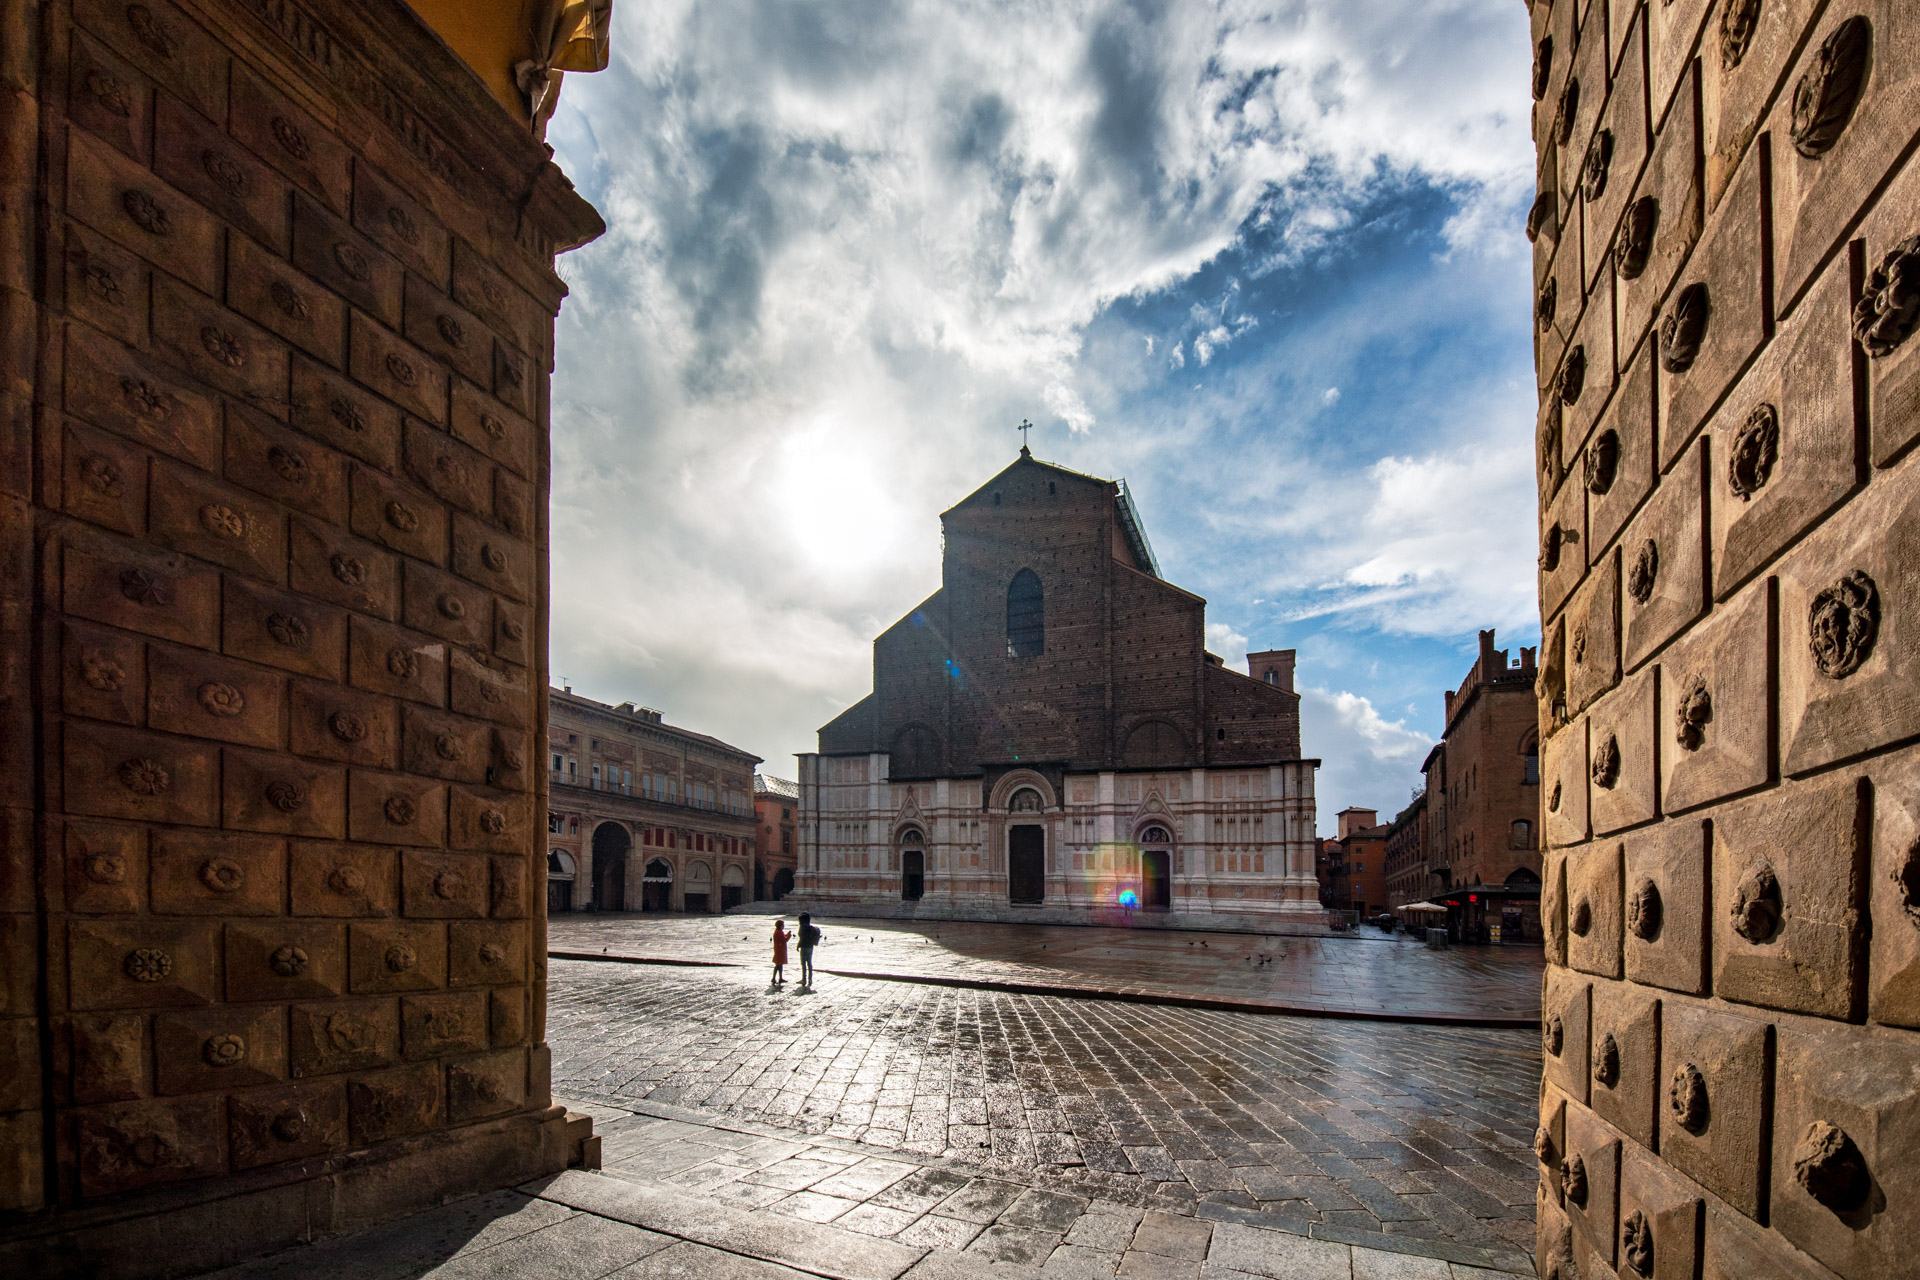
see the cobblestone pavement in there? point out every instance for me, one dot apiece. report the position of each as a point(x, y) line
point(1373, 973)
point(1378, 1134)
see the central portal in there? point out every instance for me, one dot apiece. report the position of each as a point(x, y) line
point(1156, 886)
point(1026, 864)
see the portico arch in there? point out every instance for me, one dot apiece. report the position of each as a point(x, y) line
point(611, 844)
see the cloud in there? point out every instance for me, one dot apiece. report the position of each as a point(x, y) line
point(1228, 645)
point(1366, 759)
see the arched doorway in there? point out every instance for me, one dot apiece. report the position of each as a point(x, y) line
point(1026, 851)
point(559, 882)
point(913, 865)
point(698, 893)
point(782, 883)
point(1156, 869)
point(610, 845)
point(733, 886)
point(656, 887)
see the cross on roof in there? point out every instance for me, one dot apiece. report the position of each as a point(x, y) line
point(1023, 428)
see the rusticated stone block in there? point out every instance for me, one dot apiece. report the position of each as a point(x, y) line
point(484, 423)
point(19, 1064)
point(398, 662)
point(443, 885)
point(1617, 467)
point(344, 1035)
point(1626, 1059)
point(165, 44)
point(286, 1122)
point(398, 370)
point(103, 480)
point(1553, 1240)
point(393, 1104)
point(486, 292)
point(514, 504)
point(109, 98)
point(1564, 776)
point(1550, 1140)
point(194, 333)
point(285, 960)
point(1593, 635)
point(1783, 440)
point(1564, 1022)
point(1892, 368)
point(488, 820)
point(1714, 320)
point(106, 868)
point(1848, 659)
point(207, 165)
point(507, 1016)
point(222, 1048)
point(453, 1022)
point(333, 879)
point(123, 773)
point(281, 630)
point(18, 970)
point(397, 808)
point(449, 470)
point(1666, 907)
point(512, 632)
point(516, 380)
point(1672, 30)
point(443, 605)
point(397, 957)
point(330, 408)
point(191, 512)
point(330, 565)
point(491, 558)
point(262, 792)
point(509, 890)
point(442, 327)
point(1715, 1073)
point(289, 139)
point(1826, 163)
point(1846, 1124)
point(1553, 908)
point(401, 225)
point(106, 285)
point(141, 1144)
point(141, 965)
point(1663, 563)
point(212, 874)
point(1661, 225)
point(1740, 77)
point(284, 465)
point(1736, 1249)
point(1716, 715)
point(198, 693)
point(337, 723)
point(1594, 909)
point(1614, 158)
point(1894, 892)
point(274, 296)
point(398, 516)
point(485, 953)
point(1575, 113)
point(120, 199)
point(1587, 372)
point(1621, 756)
point(103, 674)
point(1788, 897)
point(1661, 1221)
point(489, 1084)
point(157, 595)
point(491, 689)
point(109, 1062)
point(446, 746)
point(1558, 303)
point(1590, 1181)
point(333, 253)
point(122, 391)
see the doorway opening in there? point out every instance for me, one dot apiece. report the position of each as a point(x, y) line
point(913, 875)
point(559, 882)
point(656, 887)
point(1156, 870)
point(733, 887)
point(610, 845)
point(782, 883)
point(1026, 865)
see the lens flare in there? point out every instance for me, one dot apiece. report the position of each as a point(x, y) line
point(1128, 898)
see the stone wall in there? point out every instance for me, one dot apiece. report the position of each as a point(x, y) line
point(1726, 280)
point(277, 323)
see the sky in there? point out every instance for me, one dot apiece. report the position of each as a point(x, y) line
point(1263, 260)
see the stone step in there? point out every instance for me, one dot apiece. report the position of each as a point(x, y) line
point(770, 1237)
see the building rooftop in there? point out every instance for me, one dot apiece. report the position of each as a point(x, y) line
point(640, 719)
point(768, 785)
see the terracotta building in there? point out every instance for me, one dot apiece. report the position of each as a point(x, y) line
point(1047, 734)
point(1483, 799)
point(1355, 864)
point(641, 815)
point(276, 307)
point(1409, 878)
point(776, 806)
point(1727, 241)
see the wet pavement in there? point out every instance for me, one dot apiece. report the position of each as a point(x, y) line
point(1407, 1138)
point(1372, 974)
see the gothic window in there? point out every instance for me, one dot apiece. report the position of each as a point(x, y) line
point(1530, 753)
point(1522, 834)
point(1026, 616)
point(1025, 800)
point(1273, 677)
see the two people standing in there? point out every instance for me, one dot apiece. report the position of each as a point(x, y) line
point(808, 938)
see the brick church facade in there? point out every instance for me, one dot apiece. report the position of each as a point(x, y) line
point(1048, 737)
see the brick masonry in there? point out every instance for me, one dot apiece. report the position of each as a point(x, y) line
point(1725, 253)
point(277, 317)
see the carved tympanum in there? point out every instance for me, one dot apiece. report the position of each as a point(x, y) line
point(1606, 1061)
point(1603, 462)
point(1693, 714)
point(1606, 764)
point(1756, 447)
point(1842, 624)
point(1829, 90)
point(1687, 1096)
point(1829, 1167)
point(1889, 306)
point(1684, 329)
point(1756, 908)
point(1636, 1244)
point(1633, 246)
point(1644, 572)
point(1643, 910)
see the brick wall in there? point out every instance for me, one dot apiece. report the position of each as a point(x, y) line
point(278, 320)
point(1729, 589)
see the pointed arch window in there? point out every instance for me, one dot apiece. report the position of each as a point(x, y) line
point(1026, 616)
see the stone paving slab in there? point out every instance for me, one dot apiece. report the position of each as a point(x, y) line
point(1372, 974)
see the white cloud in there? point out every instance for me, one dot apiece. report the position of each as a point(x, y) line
point(1228, 645)
point(1330, 396)
point(1366, 760)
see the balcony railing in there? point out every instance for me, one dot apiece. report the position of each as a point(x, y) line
point(587, 782)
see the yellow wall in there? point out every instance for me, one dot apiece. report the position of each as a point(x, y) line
point(490, 34)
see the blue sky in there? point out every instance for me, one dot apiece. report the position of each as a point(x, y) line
point(1263, 260)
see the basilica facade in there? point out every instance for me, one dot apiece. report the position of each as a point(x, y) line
point(1048, 738)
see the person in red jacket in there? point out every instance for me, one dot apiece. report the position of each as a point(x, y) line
point(780, 936)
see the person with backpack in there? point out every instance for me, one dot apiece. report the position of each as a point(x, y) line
point(809, 939)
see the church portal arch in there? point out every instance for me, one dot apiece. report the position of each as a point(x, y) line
point(1156, 867)
point(913, 864)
